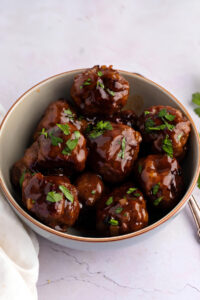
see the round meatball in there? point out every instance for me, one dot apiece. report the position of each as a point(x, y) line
point(113, 150)
point(100, 91)
point(122, 211)
point(160, 178)
point(59, 148)
point(90, 188)
point(52, 199)
point(60, 112)
point(166, 129)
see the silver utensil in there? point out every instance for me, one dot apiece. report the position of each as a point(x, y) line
point(195, 209)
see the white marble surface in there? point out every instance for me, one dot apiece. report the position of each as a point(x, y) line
point(159, 39)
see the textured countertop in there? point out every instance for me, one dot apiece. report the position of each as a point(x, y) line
point(159, 39)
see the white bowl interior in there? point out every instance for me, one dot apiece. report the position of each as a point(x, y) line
point(21, 121)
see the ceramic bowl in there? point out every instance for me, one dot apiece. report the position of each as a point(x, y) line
point(19, 124)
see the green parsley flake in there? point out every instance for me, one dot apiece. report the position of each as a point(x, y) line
point(86, 82)
point(198, 182)
point(197, 111)
point(123, 147)
point(53, 197)
point(71, 144)
point(113, 222)
point(140, 168)
point(159, 127)
point(109, 201)
point(131, 190)
point(149, 123)
point(179, 136)
point(157, 201)
point(118, 210)
point(99, 73)
point(100, 84)
point(136, 195)
point(110, 92)
point(43, 132)
point(64, 128)
point(155, 188)
point(22, 178)
point(146, 112)
point(169, 126)
point(66, 193)
point(169, 117)
point(99, 129)
point(69, 113)
point(167, 146)
point(55, 140)
point(93, 192)
point(196, 98)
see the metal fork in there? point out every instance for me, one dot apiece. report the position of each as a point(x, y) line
point(195, 209)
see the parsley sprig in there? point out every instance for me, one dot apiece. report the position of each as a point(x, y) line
point(86, 82)
point(196, 100)
point(71, 144)
point(123, 147)
point(167, 146)
point(99, 129)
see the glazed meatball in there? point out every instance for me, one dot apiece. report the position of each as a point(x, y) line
point(113, 150)
point(162, 126)
point(122, 211)
point(52, 199)
point(60, 112)
point(59, 147)
point(160, 178)
point(100, 91)
point(90, 188)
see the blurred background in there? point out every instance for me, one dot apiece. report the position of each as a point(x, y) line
point(158, 39)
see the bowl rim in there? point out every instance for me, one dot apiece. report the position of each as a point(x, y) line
point(41, 226)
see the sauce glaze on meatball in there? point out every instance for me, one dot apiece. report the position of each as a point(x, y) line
point(122, 211)
point(52, 199)
point(100, 91)
point(113, 152)
point(161, 124)
point(160, 178)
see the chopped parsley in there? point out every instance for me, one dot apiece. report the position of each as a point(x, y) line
point(196, 98)
point(197, 111)
point(93, 192)
point(99, 129)
point(146, 112)
point(149, 123)
point(43, 132)
point(169, 126)
point(86, 82)
point(167, 146)
point(99, 73)
point(22, 178)
point(113, 222)
point(131, 190)
point(71, 144)
point(66, 193)
point(159, 127)
point(123, 147)
point(69, 113)
point(140, 168)
point(53, 197)
point(198, 182)
point(64, 128)
point(136, 195)
point(109, 201)
point(118, 210)
point(157, 201)
point(179, 136)
point(100, 84)
point(55, 140)
point(163, 113)
point(155, 188)
point(110, 92)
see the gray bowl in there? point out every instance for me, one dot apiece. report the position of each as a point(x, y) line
point(20, 122)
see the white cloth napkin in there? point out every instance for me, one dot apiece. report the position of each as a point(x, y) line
point(19, 249)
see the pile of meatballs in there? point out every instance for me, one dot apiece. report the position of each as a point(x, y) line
point(100, 168)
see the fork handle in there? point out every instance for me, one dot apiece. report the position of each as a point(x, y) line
point(195, 209)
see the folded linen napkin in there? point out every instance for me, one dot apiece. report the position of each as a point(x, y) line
point(18, 255)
